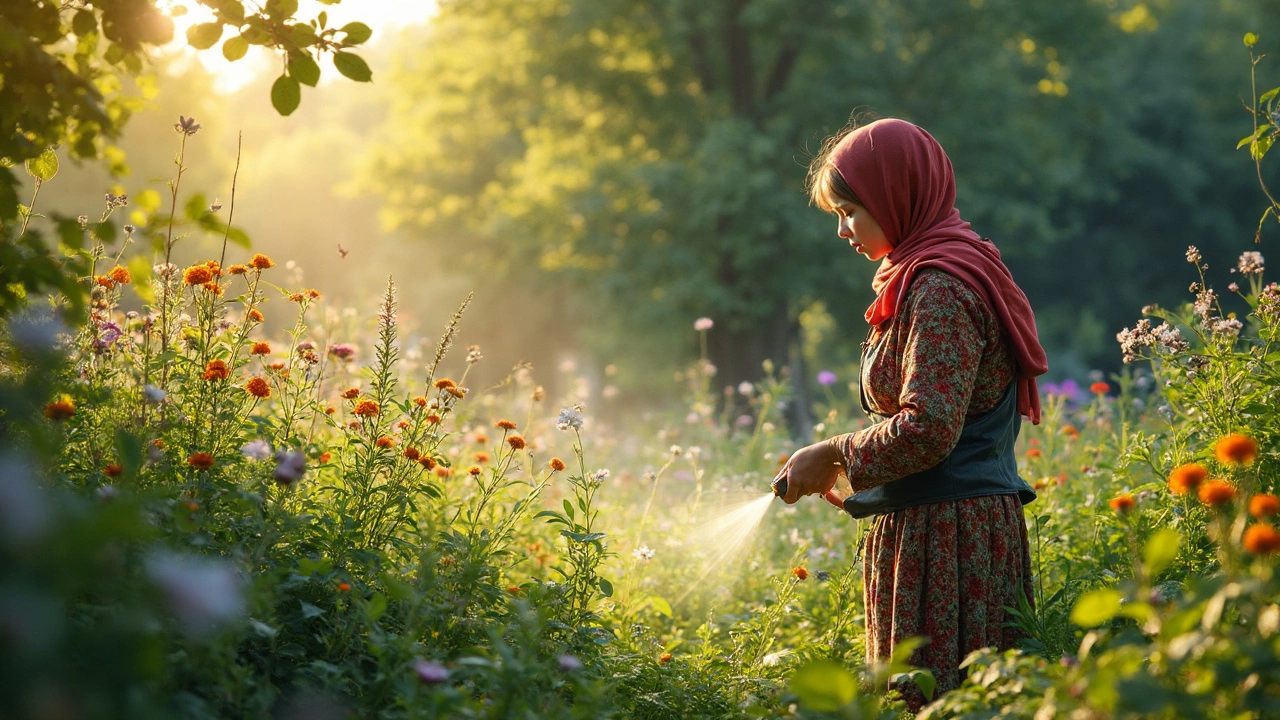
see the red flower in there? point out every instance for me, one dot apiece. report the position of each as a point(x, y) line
point(384, 442)
point(474, 470)
point(260, 348)
point(1186, 478)
point(556, 464)
point(113, 469)
point(1122, 504)
point(258, 388)
point(215, 370)
point(412, 453)
point(516, 442)
point(1099, 388)
point(120, 275)
point(60, 409)
point(1034, 453)
point(1235, 449)
point(1261, 539)
point(367, 408)
point(344, 587)
point(800, 573)
point(325, 457)
point(197, 275)
point(505, 425)
point(1263, 506)
point(200, 460)
point(255, 315)
point(664, 658)
point(1216, 492)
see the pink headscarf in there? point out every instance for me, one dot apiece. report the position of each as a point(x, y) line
point(905, 180)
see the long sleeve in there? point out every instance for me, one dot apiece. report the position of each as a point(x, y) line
point(923, 372)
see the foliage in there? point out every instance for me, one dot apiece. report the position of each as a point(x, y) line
point(64, 66)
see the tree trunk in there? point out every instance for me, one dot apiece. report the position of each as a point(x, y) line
point(740, 354)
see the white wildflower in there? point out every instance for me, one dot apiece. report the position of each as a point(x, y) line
point(257, 450)
point(643, 553)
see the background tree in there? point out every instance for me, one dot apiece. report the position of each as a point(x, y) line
point(645, 157)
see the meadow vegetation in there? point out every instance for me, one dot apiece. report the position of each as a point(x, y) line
point(202, 518)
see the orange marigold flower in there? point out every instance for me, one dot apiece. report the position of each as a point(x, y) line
point(296, 297)
point(215, 370)
point(354, 425)
point(1261, 539)
point(427, 462)
point(420, 401)
point(200, 460)
point(384, 442)
point(104, 281)
point(1186, 478)
point(556, 464)
point(213, 287)
point(120, 274)
point(313, 294)
point(260, 348)
point(1236, 449)
point(402, 424)
point(330, 410)
point(158, 443)
point(1034, 453)
point(325, 457)
point(800, 573)
point(213, 266)
point(481, 438)
point(514, 590)
point(1062, 478)
point(197, 275)
point(1122, 504)
point(444, 383)
point(344, 587)
point(456, 392)
point(260, 262)
point(191, 505)
point(1216, 492)
point(1070, 431)
point(443, 471)
point(351, 393)
point(664, 658)
point(1099, 388)
point(481, 457)
point(238, 269)
point(255, 315)
point(258, 388)
point(474, 470)
point(433, 418)
point(516, 442)
point(367, 408)
point(276, 366)
point(113, 469)
point(1264, 505)
point(60, 409)
point(505, 425)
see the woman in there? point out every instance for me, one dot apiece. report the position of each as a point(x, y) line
point(949, 365)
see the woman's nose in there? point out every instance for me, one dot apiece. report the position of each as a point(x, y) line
point(843, 230)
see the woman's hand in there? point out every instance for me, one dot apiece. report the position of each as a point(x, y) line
point(811, 470)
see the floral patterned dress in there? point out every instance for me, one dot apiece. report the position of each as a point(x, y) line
point(944, 571)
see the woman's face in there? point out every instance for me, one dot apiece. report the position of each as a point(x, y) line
point(861, 230)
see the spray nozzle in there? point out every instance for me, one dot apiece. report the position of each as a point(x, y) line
point(780, 487)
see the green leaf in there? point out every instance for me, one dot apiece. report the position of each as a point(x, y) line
point(823, 685)
point(281, 9)
point(568, 508)
point(235, 48)
point(1161, 549)
point(1260, 148)
point(357, 33)
point(286, 95)
point(204, 35)
point(263, 629)
point(606, 588)
point(301, 36)
point(44, 167)
point(377, 606)
point(84, 23)
point(304, 69)
point(1250, 40)
point(309, 610)
point(662, 606)
point(1095, 608)
point(352, 66)
point(925, 681)
point(1268, 95)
